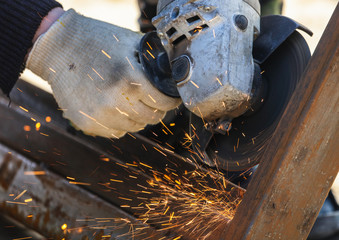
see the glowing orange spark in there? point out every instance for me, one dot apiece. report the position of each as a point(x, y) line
point(20, 195)
point(23, 108)
point(150, 54)
point(165, 126)
point(36, 173)
point(48, 119)
point(152, 98)
point(98, 74)
point(79, 183)
point(37, 126)
point(116, 38)
point(130, 63)
point(106, 54)
point(195, 85)
point(149, 46)
point(64, 226)
point(219, 81)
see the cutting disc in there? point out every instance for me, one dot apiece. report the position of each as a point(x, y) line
point(243, 145)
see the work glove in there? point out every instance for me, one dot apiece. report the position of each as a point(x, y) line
point(93, 69)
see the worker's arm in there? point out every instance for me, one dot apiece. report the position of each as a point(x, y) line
point(19, 21)
point(95, 75)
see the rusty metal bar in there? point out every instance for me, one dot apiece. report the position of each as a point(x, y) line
point(44, 201)
point(298, 169)
point(117, 171)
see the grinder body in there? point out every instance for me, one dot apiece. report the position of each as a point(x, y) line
point(209, 45)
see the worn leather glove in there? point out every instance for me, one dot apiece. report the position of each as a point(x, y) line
point(96, 77)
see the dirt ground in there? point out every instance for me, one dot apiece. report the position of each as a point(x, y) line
point(313, 14)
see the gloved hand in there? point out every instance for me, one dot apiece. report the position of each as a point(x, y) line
point(96, 77)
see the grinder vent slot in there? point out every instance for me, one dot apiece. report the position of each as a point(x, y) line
point(179, 39)
point(198, 29)
point(171, 31)
point(193, 19)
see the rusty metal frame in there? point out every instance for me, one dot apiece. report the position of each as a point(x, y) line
point(108, 173)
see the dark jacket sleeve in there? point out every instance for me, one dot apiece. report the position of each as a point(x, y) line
point(19, 20)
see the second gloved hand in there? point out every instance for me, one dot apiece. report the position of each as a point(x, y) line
point(96, 78)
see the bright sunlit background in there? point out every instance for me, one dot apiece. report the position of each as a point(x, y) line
point(313, 14)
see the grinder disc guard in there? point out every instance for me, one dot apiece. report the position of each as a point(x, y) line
point(243, 145)
point(282, 54)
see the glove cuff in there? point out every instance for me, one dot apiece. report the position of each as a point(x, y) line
point(50, 52)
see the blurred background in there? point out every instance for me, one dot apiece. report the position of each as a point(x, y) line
point(313, 14)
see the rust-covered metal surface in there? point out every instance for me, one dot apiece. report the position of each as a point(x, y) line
point(297, 172)
point(44, 201)
point(134, 177)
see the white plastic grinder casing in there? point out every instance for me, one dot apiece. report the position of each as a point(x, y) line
point(213, 41)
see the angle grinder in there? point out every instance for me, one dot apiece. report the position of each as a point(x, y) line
point(234, 71)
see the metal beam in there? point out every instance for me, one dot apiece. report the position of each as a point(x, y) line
point(45, 202)
point(118, 171)
point(298, 169)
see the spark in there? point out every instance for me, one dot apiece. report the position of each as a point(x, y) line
point(37, 126)
point(79, 183)
point(106, 54)
point(129, 62)
point(23, 108)
point(165, 126)
point(48, 119)
point(145, 165)
point(115, 180)
point(213, 33)
point(116, 38)
point(149, 45)
point(22, 238)
point(219, 81)
point(160, 151)
point(93, 119)
point(131, 164)
point(122, 165)
point(135, 111)
point(150, 54)
point(98, 74)
point(28, 200)
point(105, 159)
point(127, 199)
point(20, 203)
point(35, 173)
point(27, 128)
point(90, 77)
point(52, 70)
point(20, 195)
point(195, 85)
point(121, 112)
point(152, 98)
point(170, 145)
point(131, 136)
point(64, 226)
